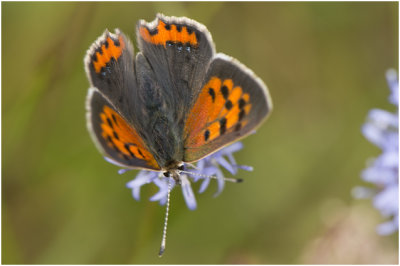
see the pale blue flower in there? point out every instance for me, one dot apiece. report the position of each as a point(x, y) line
point(208, 166)
point(382, 129)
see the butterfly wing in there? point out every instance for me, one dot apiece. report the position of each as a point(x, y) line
point(114, 136)
point(231, 104)
point(179, 101)
point(179, 50)
point(170, 68)
point(109, 66)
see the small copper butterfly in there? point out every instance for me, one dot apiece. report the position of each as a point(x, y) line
point(175, 102)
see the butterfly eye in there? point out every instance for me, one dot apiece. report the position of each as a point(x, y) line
point(181, 167)
point(167, 174)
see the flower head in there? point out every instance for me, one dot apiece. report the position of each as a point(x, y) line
point(382, 129)
point(206, 168)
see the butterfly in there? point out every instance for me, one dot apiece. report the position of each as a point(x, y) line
point(174, 102)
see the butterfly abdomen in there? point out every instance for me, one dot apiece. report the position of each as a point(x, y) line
point(159, 122)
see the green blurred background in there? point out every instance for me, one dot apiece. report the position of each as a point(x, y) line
point(324, 64)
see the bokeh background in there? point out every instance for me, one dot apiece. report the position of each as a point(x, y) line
point(324, 64)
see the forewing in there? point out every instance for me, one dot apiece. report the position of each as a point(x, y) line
point(170, 68)
point(110, 68)
point(231, 104)
point(179, 51)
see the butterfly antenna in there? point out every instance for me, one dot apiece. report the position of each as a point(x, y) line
point(234, 180)
point(164, 237)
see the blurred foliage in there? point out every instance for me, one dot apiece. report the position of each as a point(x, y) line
point(324, 64)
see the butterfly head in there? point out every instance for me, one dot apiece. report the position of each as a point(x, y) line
point(173, 170)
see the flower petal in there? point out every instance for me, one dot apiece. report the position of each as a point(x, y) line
point(188, 193)
point(387, 228)
point(246, 167)
point(163, 189)
point(387, 201)
point(220, 182)
point(224, 163)
point(382, 129)
point(208, 166)
point(142, 178)
point(237, 146)
point(204, 185)
point(391, 77)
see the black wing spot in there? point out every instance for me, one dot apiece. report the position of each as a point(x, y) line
point(167, 26)
point(106, 44)
point(114, 118)
point(242, 103)
point(225, 92)
point(212, 93)
point(153, 31)
point(222, 126)
point(115, 135)
point(126, 146)
point(242, 114)
point(228, 105)
point(140, 152)
point(109, 122)
point(116, 42)
point(179, 28)
point(94, 57)
point(206, 135)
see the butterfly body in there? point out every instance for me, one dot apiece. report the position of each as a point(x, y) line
point(175, 102)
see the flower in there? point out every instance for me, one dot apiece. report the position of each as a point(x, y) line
point(206, 169)
point(382, 129)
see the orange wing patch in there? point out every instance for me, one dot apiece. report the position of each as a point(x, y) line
point(123, 138)
point(110, 49)
point(165, 33)
point(220, 108)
